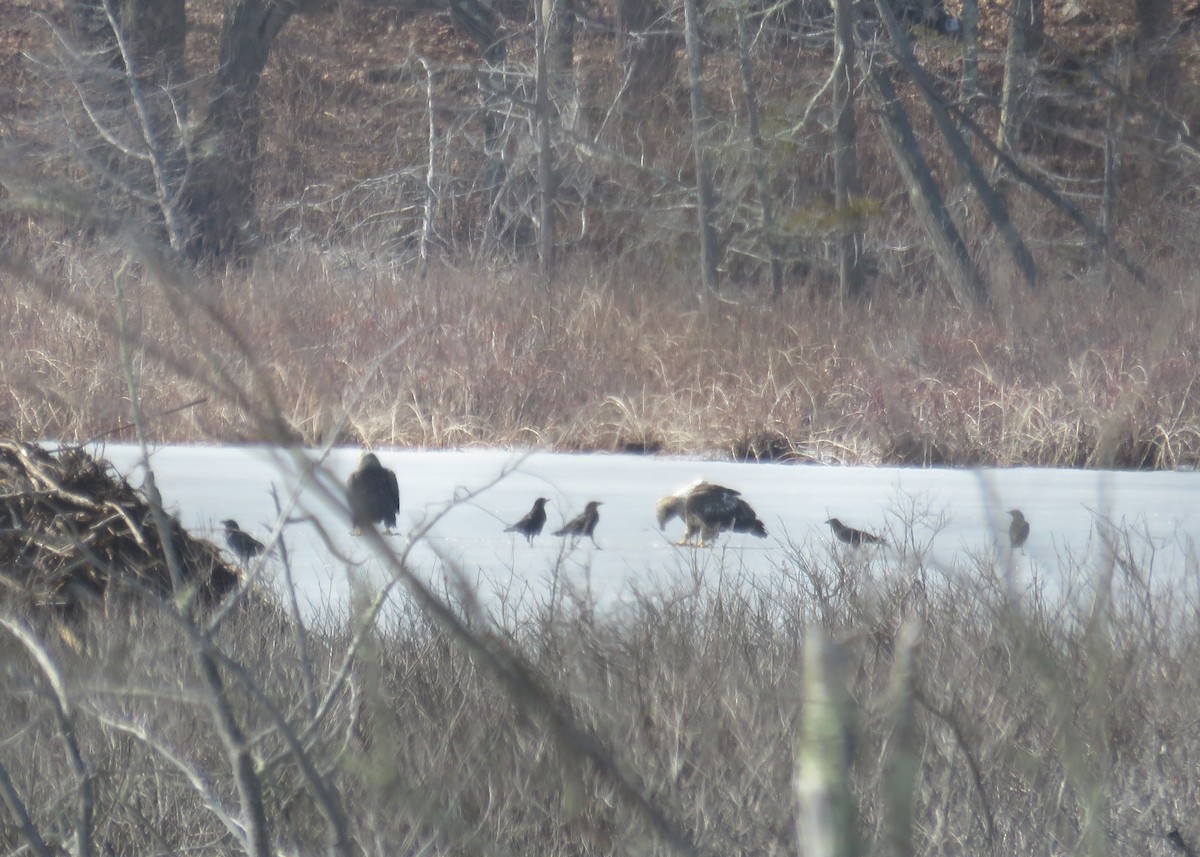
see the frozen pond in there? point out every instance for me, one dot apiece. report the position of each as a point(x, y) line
point(477, 493)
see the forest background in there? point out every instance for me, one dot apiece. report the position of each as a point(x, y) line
point(903, 233)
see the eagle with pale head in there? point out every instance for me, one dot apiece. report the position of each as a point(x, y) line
point(707, 509)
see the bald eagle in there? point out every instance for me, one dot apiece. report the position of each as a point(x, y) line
point(851, 536)
point(374, 494)
point(584, 524)
point(708, 509)
point(531, 525)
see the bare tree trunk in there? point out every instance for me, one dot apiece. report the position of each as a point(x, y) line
point(430, 170)
point(705, 196)
point(970, 68)
point(222, 201)
point(155, 33)
point(157, 37)
point(1156, 54)
point(1108, 205)
point(478, 20)
point(827, 817)
point(1043, 188)
point(1017, 76)
point(1158, 74)
point(845, 156)
point(558, 18)
point(964, 158)
point(160, 127)
point(1114, 132)
point(143, 44)
point(647, 52)
point(765, 200)
point(966, 282)
point(542, 9)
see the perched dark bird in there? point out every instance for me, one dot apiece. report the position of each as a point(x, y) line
point(531, 525)
point(240, 542)
point(374, 494)
point(851, 536)
point(584, 524)
point(707, 509)
point(1018, 530)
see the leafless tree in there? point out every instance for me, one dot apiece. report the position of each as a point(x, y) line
point(845, 152)
point(1018, 75)
point(705, 194)
point(766, 199)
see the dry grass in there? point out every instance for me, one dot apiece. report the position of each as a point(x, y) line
point(1060, 722)
point(333, 337)
point(1070, 377)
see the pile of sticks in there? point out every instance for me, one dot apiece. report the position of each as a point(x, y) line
point(73, 532)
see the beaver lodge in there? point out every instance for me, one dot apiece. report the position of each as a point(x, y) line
point(72, 532)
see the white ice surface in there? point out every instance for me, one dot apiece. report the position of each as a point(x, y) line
point(956, 512)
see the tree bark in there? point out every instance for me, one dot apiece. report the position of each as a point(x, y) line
point(970, 62)
point(478, 20)
point(1156, 54)
point(966, 282)
point(1017, 74)
point(647, 52)
point(992, 202)
point(765, 199)
point(542, 11)
point(845, 154)
point(705, 195)
point(558, 17)
point(1158, 73)
point(221, 200)
point(155, 33)
point(157, 37)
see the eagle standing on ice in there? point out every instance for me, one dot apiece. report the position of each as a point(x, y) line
point(374, 495)
point(708, 509)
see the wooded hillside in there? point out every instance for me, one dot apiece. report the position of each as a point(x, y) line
point(1051, 137)
point(340, 179)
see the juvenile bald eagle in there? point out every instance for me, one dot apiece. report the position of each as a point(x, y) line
point(851, 536)
point(374, 495)
point(707, 510)
point(240, 542)
point(584, 524)
point(531, 525)
point(1018, 530)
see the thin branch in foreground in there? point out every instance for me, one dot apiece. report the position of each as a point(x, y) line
point(61, 703)
point(17, 807)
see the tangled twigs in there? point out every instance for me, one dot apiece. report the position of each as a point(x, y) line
point(70, 529)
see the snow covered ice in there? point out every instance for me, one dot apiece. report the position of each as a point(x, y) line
point(477, 493)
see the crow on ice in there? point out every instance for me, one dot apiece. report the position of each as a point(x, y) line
point(531, 525)
point(1018, 530)
point(240, 542)
point(583, 524)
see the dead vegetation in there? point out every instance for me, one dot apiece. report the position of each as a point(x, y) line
point(1056, 716)
point(72, 532)
point(355, 342)
point(1072, 377)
